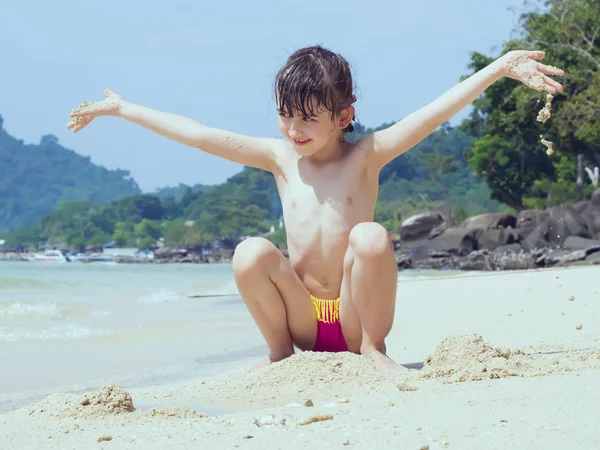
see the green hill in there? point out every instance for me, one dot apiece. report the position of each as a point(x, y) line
point(35, 179)
point(433, 175)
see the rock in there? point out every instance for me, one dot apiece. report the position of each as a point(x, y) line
point(593, 258)
point(591, 215)
point(579, 243)
point(509, 248)
point(491, 239)
point(595, 200)
point(531, 218)
point(419, 226)
point(560, 258)
point(565, 221)
point(487, 260)
point(457, 239)
point(403, 261)
point(491, 221)
point(438, 230)
point(477, 260)
point(535, 239)
point(581, 206)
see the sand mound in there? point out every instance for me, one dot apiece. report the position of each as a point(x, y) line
point(470, 358)
point(109, 399)
point(320, 377)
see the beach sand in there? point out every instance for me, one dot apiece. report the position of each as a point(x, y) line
point(500, 360)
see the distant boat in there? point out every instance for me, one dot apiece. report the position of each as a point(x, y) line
point(51, 256)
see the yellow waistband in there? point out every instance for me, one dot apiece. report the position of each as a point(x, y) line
point(328, 311)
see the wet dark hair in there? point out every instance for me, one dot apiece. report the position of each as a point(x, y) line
point(317, 74)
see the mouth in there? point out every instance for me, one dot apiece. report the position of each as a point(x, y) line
point(301, 142)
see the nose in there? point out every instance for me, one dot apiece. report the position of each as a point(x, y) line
point(293, 130)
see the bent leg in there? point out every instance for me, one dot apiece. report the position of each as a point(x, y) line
point(368, 295)
point(276, 298)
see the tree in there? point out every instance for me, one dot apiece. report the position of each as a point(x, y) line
point(504, 117)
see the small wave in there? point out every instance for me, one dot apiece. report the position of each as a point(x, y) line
point(22, 283)
point(162, 296)
point(63, 332)
point(213, 288)
point(20, 310)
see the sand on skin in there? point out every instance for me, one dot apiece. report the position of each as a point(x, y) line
point(468, 390)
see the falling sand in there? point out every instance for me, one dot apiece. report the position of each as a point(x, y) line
point(546, 112)
point(548, 145)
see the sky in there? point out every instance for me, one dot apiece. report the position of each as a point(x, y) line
point(215, 61)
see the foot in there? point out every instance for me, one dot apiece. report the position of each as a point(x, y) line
point(270, 360)
point(263, 363)
point(383, 362)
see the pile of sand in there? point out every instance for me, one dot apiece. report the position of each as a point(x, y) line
point(109, 399)
point(319, 377)
point(470, 358)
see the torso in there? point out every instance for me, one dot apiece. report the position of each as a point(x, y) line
point(320, 207)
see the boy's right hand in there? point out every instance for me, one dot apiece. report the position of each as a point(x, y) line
point(87, 112)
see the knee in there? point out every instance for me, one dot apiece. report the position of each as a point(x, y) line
point(252, 254)
point(369, 240)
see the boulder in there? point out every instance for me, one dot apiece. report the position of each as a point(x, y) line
point(591, 215)
point(491, 221)
point(579, 243)
point(535, 239)
point(457, 240)
point(439, 230)
point(595, 200)
point(419, 226)
point(491, 239)
point(562, 258)
point(565, 221)
point(581, 206)
point(531, 218)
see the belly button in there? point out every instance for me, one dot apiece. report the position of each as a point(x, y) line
point(349, 201)
point(293, 204)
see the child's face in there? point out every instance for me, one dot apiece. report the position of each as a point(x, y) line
point(307, 134)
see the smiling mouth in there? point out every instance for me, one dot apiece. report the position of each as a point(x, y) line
point(301, 142)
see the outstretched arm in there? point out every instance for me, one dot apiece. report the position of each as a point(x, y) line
point(255, 152)
point(520, 65)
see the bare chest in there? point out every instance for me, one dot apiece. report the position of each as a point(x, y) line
point(328, 201)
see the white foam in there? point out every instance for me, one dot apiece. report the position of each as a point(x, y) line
point(162, 296)
point(20, 310)
point(62, 332)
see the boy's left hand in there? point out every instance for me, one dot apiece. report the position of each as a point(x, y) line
point(522, 65)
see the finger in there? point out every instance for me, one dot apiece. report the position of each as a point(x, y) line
point(537, 54)
point(107, 92)
point(550, 70)
point(78, 113)
point(77, 128)
point(70, 125)
point(555, 84)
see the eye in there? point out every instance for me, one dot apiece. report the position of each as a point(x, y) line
point(307, 119)
point(284, 114)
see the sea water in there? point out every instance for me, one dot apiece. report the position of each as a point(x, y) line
point(70, 326)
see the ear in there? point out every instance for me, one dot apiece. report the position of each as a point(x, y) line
point(346, 116)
